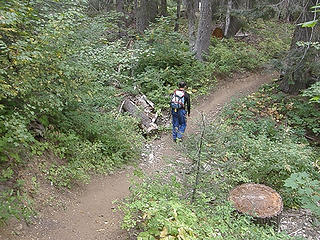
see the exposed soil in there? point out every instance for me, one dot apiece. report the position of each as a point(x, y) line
point(87, 212)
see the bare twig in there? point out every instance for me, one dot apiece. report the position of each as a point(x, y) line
point(120, 109)
point(199, 160)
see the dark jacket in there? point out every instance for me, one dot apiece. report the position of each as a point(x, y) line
point(186, 101)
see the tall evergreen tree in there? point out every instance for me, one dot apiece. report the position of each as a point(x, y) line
point(302, 66)
point(178, 13)
point(163, 8)
point(204, 29)
point(191, 14)
point(146, 12)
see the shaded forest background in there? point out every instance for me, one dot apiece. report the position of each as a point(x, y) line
point(67, 65)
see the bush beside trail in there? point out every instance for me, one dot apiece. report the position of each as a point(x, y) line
point(255, 139)
point(68, 71)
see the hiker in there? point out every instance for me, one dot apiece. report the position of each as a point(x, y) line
point(180, 101)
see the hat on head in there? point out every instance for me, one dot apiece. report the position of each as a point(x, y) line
point(182, 84)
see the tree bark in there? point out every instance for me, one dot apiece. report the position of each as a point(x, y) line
point(146, 12)
point(120, 6)
point(204, 29)
point(176, 25)
point(234, 27)
point(141, 16)
point(302, 66)
point(197, 2)
point(152, 10)
point(191, 14)
point(235, 22)
point(228, 17)
point(163, 8)
point(147, 122)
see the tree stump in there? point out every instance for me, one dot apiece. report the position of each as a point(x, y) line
point(217, 33)
point(257, 200)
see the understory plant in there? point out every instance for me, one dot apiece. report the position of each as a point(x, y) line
point(59, 92)
point(261, 139)
point(158, 210)
point(307, 189)
point(165, 61)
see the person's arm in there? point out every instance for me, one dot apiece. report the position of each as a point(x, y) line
point(188, 103)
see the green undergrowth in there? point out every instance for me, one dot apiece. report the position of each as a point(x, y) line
point(271, 38)
point(262, 139)
point(64, 74)
point(257, 139)
point(158, 209)
point(14, 202)
point(229, 55)
point(267, 43)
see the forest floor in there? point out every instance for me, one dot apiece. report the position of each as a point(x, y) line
point(88, 212)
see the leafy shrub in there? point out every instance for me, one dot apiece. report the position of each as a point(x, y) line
point(101, 146)
point(157, 211)
point(263, 160)
point(13, 203)
point(228, 56)
point(254, 143)
point(269, 102)
point(307, 189)
point(313, 92)
point(60, 67)
point(165, 61)
point(14, 136)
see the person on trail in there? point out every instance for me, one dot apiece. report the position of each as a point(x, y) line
point(180, 101)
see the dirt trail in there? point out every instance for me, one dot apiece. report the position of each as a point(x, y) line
point(90, 215)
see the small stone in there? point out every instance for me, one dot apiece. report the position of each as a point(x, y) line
point(19, 227)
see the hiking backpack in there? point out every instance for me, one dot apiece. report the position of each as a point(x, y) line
point(177, 99)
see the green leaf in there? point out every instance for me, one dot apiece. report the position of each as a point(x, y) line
point(315, 99)
point(309, 24)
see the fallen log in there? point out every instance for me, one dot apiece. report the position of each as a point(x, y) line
point(146, 122)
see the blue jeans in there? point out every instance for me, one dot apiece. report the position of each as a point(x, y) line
point(179, 123)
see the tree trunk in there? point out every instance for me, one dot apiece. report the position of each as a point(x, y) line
point(141, 16)
point(226, 28)
point(191, 14)
point(152, 10)
point(204, 29)
point(234, 27)
point(176, 25)
point(288, 6)
point(163, 8)
point(235, 23)
point(146, 12)
point(302, 66)
point(120, 6)
point(197, 2)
